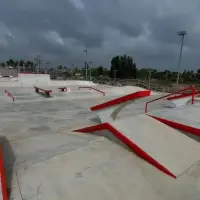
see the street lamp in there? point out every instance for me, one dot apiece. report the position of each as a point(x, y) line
point(182, 34)
point(38, 63)
point(115, 72)
point(90, 71)
point(45, 67)
point(86, 65)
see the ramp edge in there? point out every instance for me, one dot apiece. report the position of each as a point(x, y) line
point(129, 143)
point(176, 125)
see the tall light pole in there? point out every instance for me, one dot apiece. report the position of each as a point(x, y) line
point(90, 71)
point(86, 65)
point(180, 33)
point(149, 80)
point(45, 67)
point(115, 72)
point(38, 63)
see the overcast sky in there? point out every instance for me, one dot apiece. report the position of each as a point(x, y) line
point(60, 30)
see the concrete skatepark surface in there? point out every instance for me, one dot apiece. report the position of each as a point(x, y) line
point(44, 159)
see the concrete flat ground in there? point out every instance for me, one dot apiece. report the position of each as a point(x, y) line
point(45, 160)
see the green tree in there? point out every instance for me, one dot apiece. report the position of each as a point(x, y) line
point(21, 63)
point(60, 67)
point(3, 64)
point(10, 62)
point(99, 71)
point(123, 67)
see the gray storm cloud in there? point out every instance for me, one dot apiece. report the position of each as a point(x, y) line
point(60, 30)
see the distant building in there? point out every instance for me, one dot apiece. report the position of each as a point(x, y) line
point(8, 72)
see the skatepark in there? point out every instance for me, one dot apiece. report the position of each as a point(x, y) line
point(78, 140)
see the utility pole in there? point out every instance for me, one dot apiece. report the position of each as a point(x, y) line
point(38, 63)
point(90, 71)
point(182, 34)
point(86, 65)
point(45, 67)
point(115, 72)
point(149, 80)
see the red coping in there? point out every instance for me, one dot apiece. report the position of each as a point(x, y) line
point(129, 143)
point(123, 99)
point(183, 95)
point(3, 179)
point(42, 89)
point(92, 89)
point(182, 127)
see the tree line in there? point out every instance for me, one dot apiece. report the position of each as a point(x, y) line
point(121, 67)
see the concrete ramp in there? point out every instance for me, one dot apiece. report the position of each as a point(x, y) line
point(34, 79)
point(162, 146)
point(184, 118)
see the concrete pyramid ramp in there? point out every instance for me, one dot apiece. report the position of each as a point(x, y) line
point(173, 150)
point(162, 146)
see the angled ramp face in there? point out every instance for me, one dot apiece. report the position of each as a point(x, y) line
point(108, 111)
point(162, 146)
point(185, 118)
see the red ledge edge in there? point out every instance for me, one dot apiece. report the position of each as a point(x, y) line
point(3, 179)
point(139, 94)
point(182, 127)
point(129, 143)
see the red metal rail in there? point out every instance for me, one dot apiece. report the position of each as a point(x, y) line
point(2, 177)
point(91, 88)
point(187, 88)
point(10, 95)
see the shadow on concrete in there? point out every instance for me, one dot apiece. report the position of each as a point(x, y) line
point(44, 95)
point(190, 135)
point(96, 120)
point(107, 134)
point(8, 161)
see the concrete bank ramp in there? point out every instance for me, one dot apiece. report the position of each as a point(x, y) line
point(162, 146)
point(27, 80)
point(167, 147)
point(102, 170)
point(32, 79)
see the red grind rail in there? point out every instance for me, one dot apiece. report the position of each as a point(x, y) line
point(91, 88)
point(2, 177)
point(187, 88)
point(183, 95)
point(10, 95)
